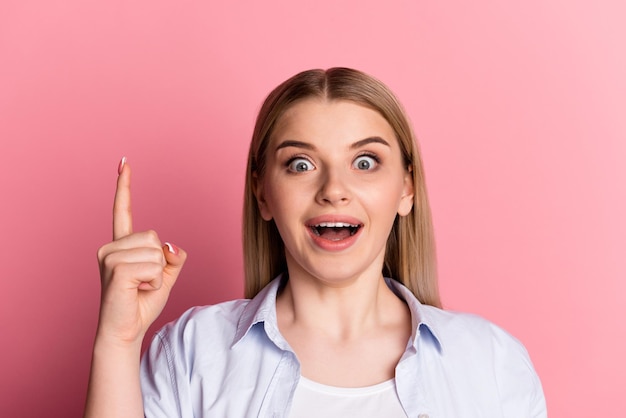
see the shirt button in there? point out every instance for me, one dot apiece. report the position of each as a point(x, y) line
point(422, 416)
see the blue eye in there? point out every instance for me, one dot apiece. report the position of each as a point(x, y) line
point(365, 162)
point(299, 165)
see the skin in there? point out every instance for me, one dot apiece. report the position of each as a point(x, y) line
point(336, 311)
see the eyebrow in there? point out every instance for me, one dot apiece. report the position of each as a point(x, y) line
point(357, 144)
point(370, 140)
point(297, 144)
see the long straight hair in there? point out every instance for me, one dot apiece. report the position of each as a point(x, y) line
point(410, 251)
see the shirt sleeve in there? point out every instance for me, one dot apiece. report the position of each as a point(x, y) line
point(159, 383)
point(520, 390)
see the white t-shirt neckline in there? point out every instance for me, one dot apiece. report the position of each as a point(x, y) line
point(347, 391)
point(313, 400)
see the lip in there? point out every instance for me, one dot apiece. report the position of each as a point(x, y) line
point(326, 244)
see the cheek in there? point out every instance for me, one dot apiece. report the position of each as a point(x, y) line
point(385, 192)
point(385, 200)
point(280, 202)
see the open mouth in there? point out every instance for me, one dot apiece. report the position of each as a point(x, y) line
point(335, 231)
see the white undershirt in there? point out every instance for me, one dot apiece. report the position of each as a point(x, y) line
point(316, 400)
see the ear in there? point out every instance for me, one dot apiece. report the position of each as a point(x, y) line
point(259, 192)
point(408, 193)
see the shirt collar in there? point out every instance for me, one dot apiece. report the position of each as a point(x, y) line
point(262, 309)
point(423, 317)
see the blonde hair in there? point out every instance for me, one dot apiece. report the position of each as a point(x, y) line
point(410, 249)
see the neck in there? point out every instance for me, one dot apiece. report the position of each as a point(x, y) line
point(342, 311)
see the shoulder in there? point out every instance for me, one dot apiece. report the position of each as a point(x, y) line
point(217, 328)
point(459, 334)
point(199, 340)
point(212, 324)
point(455, 329)
point(191, 359)
point(466, 334)
point(485, 355)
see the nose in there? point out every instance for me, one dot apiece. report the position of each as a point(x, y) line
point(333, 188)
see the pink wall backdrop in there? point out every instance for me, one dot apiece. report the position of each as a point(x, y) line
point(519, 106)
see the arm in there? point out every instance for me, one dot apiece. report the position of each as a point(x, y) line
point(114, 388)
point(137, 273)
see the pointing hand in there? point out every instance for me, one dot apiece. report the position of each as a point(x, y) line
point(137, 272)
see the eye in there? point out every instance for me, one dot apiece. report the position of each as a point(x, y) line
point(299, 165)
point(365, 162)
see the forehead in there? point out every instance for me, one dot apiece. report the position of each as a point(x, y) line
point(312, 118)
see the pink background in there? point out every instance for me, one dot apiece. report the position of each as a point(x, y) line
point(519, 107)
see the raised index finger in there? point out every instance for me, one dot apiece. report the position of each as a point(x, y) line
point(122, 214)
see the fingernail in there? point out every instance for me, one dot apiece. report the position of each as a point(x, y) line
point(121, 166)
point(171, 248)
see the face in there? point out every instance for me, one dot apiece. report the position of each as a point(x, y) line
point(333, 184)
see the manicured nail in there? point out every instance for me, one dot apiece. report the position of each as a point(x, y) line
point(121, 166)
point(171, 248)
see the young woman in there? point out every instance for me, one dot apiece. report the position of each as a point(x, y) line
point(343, 317)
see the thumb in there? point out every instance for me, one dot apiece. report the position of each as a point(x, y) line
point(175, 258)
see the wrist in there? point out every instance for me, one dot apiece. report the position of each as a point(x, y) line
point(113, 343)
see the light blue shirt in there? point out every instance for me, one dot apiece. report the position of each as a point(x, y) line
point(230, 360)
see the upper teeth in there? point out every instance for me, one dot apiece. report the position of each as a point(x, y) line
point(335, 225)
